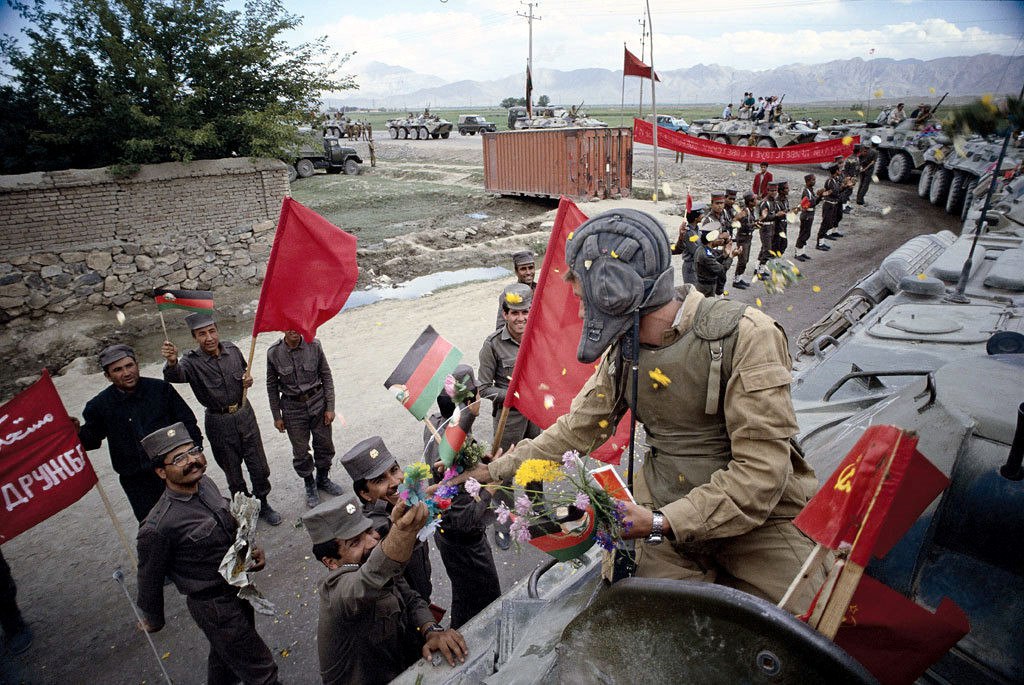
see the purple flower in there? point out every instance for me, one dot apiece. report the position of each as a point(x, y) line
point(502, 513)
point(582, 501)
point(446, 492)
point(523, 505)
point(473, 488)
point(605, 540)
point(450, 473)
point(520, 530)
point(619, 510)
point(569, 461)
point(449, 385)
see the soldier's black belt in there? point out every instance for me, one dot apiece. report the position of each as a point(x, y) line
point(458, 537)
point(230, 409)
point(306, 396)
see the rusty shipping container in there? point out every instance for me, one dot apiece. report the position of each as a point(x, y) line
point(580, 163)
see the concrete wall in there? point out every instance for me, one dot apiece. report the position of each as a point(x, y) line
point(83, 238)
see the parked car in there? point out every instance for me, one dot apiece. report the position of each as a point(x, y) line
point(673, 123)
point(474, 123)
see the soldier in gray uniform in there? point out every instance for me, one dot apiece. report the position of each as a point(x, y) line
point(717, 218)
point(747, 218)
point(217, 373)
point(372, 625)
point(497, 359)
point(712, 262)
point(730, 203)
point(525, 267)
point(809, 198)
point(772, 218)
point(462, 539)
point(688, 241)
point(780, 241)
point(301, 391)
point(376, 475)
point(184, 538)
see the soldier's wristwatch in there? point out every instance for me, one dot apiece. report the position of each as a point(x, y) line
point(657, 535)
point(435, 628)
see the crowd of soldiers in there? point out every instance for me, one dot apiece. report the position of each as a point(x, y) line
point(712, 238)
point(767, 109)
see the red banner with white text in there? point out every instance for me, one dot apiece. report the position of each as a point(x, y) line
point(808, 153)
point(43, 467)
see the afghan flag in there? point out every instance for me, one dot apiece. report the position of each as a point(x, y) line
point(191, 300)
point(551, 538)
point(454, 437)
point(419, 377)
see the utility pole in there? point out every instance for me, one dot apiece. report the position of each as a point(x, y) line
point(654, 109)
point(643, 37)
point(529, 17)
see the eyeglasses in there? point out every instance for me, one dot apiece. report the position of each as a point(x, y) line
point(180, 459)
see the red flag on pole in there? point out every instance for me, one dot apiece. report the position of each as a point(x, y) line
point(895, 638)
point(43, 468)
point(689, 204)
point(311, 273)
point(547, 375)
point(632, 66)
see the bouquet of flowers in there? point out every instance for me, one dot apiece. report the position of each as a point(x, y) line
point(561, 509)
point(413, 490)
point(780, 273)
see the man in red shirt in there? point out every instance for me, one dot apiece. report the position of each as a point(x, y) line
point(761, 180)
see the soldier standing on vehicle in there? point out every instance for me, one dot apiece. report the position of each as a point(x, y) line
point(867, 158)
point(809, 198)
point(747, 218)
point(301, 390)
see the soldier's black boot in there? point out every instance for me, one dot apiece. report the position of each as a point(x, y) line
point(326, 484)
point(268, 514)
point(312, 498)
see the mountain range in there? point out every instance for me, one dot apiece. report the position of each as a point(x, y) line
point(390, 86)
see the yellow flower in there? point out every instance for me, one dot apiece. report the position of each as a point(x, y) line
point(694, 238)
point(571, 234)
point(816, 288)
point(879, 93)
point(922, 277)
point(603, 423)
point(796, 271)
point(513, 298)
point(931, 89)
point(533, 470)
point(758, 302)
point(860, 112)
point(614, 254)
point(789, 308)
point(564, 371)
point(419, 470)
point(549, 401)
point(658, 377)
point(725, 293)
point(847, 140)
point(939, 155)
point(986, 100)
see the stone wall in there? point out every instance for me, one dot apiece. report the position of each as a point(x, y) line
point(80, 238)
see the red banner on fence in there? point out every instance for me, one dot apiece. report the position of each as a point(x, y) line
point(808, 153)
point(43, 468)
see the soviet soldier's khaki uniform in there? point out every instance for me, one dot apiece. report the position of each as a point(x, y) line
point(720, 465)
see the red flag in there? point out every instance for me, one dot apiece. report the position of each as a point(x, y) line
point(43, 468)
point(689, 204)
point(632, 66)
point(547, 375)
point(895, 638)
point(867, 507)
point(311, 273)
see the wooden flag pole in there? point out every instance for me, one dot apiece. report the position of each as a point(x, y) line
point(500, 430)
point(163, 324)
point(433, 430)
point(248, 366)
point(117, 525)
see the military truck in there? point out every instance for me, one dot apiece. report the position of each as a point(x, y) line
point(319, 151)
point(474, 123)
point(420, 127)
point(892, 351)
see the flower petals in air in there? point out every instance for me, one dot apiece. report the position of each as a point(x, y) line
point(694, 238)
point(847, 140)
point(659, 377)
point(758, 302)
point(922, 277)
point(121, 318)
point(878, 93)
point(816, 288)
point(549, 401)
point(886, 210)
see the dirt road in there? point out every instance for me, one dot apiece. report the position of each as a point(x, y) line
point(83, 624)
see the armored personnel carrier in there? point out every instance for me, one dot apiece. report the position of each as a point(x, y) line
point(425, 126)
point(559, 117)
point(892, 351)
point(742, 131)
point(963, 165)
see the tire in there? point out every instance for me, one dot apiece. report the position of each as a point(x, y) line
point(744, 141)
point(403, 133)
point(446, 134)
point(722, 139)
point(940, 186)
point(435, 136)
point(351, 167)
point(900, 167)
point(292, 173)
point(766, 142)
point(882, 164)
point(968, 199)
point(304, 168)
point(424, 134)
point(924, 183)
point(955, 196)
point(705, 136)
point(462, 133)
point(393, 131)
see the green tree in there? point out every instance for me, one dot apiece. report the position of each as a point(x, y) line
point(512, 102)
point(128, 82)
point(543, 101)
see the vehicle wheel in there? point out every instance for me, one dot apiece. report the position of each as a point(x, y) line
point(899, 168)
point(955, 197)
point(424, 134)
point(882, 165)
point(705, 136)
point(472, 133)
point(351, 167)
point(446, 134)
point(292, 174)
point(766, 142)
point(304, 168)
point(968, 199)
point(940, 185)
point(393, 131)
point(722, 139)
point(435, 136)
point(403, 133)
point(924, 184)
point(744, 141)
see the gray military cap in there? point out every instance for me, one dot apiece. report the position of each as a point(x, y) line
point(517, 297)
point(162, 441)
point(114, 353)
point(335, 518)
point(463, 370)
point(368, 459)
point(199, 320)
point(523, 257)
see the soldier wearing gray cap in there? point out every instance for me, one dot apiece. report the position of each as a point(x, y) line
point(184, 538)
point(688, 241)
point(497, 359)
point(301, 390)
point(748, 225)
point(716, 217)
point(132, 407)
point(376, 475)
point(217, 374)
point(523, 262)
point(721, 478)
point(372, 625)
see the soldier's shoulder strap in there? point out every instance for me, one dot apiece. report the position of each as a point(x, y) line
point(716, 322)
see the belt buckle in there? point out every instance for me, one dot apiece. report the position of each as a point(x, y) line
point(233, 408)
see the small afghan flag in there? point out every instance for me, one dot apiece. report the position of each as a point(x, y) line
point(419, 377)
point(455, 437)
point(192, 300)
point(554, 539)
